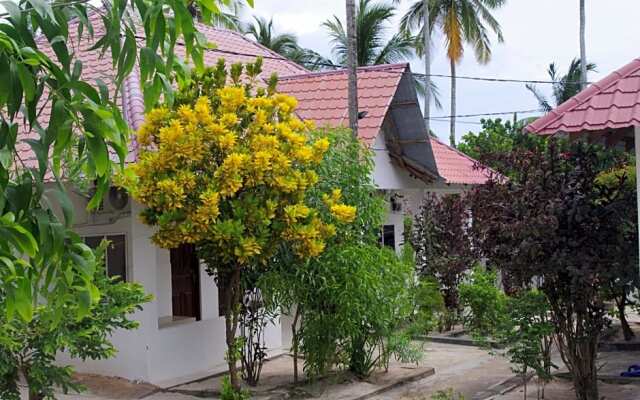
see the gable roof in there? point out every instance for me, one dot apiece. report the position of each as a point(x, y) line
point(456, 167)
point(386, 98)
point(322, 96)
point(611, 103)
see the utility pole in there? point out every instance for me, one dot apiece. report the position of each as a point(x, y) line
point(427, 68)
point(352, 64)
point(583, 47)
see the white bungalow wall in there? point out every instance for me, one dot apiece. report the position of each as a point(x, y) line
point(168, 354)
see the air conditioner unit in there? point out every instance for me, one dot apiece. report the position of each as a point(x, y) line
point(115, 205)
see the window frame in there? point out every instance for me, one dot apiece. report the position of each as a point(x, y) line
point(104, 236)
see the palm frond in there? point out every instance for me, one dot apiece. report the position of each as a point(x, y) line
point(400, 47)
point(542, 100)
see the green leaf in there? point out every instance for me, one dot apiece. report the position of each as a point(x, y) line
point(98, 152)
point(23, 299)
point(43, 8)
point(27, 81)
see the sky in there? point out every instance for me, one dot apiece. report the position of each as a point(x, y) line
point(536, 33)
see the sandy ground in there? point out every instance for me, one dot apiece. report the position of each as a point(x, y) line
point(466, 370)
point(563, 390)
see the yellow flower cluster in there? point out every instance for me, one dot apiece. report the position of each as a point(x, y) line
point(342, 212)
point(232, 169)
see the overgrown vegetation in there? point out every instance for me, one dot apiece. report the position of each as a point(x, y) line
point(58, 124)
point(228, 168)
point(554, 223)
point(443, 251)
point(28, 349)
point(347, 304)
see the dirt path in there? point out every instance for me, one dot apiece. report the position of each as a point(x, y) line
point(465, 369)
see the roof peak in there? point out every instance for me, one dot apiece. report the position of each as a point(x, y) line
point(366, 68)
point(552, 121)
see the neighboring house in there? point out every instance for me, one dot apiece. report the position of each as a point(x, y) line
point(407, 161)
point(607, 112)
point(181, 334)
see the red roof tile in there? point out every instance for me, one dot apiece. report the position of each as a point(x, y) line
point(232, 46)
point(322, 96)
point(456, 167)
point(611, 103)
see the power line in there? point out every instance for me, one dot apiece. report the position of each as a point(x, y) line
point(487, 79)
point(486, 114)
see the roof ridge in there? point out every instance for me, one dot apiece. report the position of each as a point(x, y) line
point(584, 95)
point(365, 68)
point(255, 43)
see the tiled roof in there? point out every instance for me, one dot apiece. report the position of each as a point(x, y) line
point(456, 167)
point(322, 96)
point(232, 46)
point(611, 103)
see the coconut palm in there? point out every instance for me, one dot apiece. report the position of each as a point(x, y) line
point(564, 87)
point(285, 44)
point(372, 20)
point(373, 46)
point(263, 32)
point(461, 22)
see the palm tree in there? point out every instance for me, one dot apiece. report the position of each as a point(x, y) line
point(564, 87)
point(262, 31)
point(372, 43)
point(461, 22)
point(285, 44)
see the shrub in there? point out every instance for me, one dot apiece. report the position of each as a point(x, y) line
point(442, 244)
point(486, 304)
point(29, 349)
point(553, 222)
point(228, 167)
point(358, 298)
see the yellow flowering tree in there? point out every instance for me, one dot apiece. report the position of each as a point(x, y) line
point(227, 168)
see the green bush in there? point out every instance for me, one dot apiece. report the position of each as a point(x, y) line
point(227, 392)
point(357, 301)
point(429, 306)
point(485, 304)
point(30, 348)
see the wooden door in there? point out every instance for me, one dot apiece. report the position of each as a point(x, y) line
point(185, 282)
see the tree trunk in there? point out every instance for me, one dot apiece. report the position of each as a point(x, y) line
point(583, 47)
point(427, 68)
point(621, 303)
point(295, 344)
point(452, 133)
point(584, 372)
point(352, 63)
point(231, 302)
point(586, 387)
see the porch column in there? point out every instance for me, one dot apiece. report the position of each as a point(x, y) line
point(637, 146)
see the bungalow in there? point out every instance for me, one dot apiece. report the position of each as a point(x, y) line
point(606, 112)
point(181, 334)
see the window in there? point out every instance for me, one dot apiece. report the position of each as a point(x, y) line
point(185, 282)
point(116, 254)
point(388, 237)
